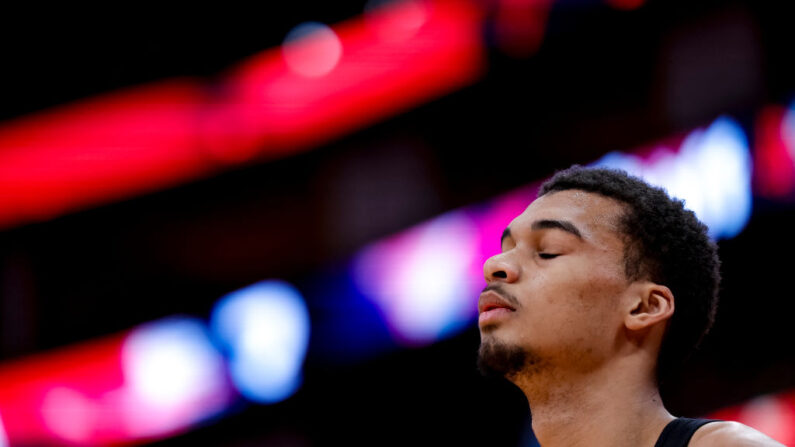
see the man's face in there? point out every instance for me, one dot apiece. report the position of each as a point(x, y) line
point(554, 293)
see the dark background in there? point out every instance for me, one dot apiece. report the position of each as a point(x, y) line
point(604, 79)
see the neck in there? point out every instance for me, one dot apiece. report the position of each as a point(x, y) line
point(614, 405)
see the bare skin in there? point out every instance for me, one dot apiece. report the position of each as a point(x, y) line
point(591, 334)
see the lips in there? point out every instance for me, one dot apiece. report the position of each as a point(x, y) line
point(492, 300)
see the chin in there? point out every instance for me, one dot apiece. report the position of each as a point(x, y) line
point(499, 359)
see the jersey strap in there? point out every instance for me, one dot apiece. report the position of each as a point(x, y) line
point(679, 431)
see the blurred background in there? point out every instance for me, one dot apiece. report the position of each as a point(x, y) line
point(265, 225)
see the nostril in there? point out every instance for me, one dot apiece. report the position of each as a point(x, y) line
point(500, 274)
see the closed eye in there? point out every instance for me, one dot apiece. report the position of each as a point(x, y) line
point(548, 255)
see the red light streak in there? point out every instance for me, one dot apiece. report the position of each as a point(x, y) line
point(156, 136)
point(90, 394)
point(153, 137)
point(91, 369)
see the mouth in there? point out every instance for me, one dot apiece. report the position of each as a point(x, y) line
point(492, 301)
point(490, 307)
point(493, 308)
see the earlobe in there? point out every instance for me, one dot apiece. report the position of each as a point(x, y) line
point(652, 304)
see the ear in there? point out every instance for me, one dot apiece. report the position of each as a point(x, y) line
point(650, 304)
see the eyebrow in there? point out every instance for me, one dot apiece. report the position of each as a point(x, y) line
point(564, 225)
point(546, 224)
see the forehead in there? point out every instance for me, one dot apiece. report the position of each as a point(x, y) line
point(596, 216)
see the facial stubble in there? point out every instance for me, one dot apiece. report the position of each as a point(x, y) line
point(499, 359)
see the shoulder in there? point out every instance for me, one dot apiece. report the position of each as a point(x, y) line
point(731, 434)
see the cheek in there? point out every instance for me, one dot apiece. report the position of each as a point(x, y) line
point(573, 302)
point(598, 274)
point(585, 298)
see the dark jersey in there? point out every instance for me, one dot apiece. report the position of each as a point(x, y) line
point(679, 431)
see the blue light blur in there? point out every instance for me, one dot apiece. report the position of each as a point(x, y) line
point(264, 329)
point(788, 129)
point(711, 173)
point(346, 325)
point(421, 280)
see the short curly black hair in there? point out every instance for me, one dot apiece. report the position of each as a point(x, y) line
point(665, 243)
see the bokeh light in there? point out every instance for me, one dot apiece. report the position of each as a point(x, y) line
point(420, 279)
point(174, 377)
point(3, 437)
point(312, 49)
point(70, 415)
point(265, 330)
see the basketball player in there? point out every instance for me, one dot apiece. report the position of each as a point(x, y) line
point(603, 286)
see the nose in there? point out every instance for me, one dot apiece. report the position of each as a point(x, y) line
point(500, 268)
